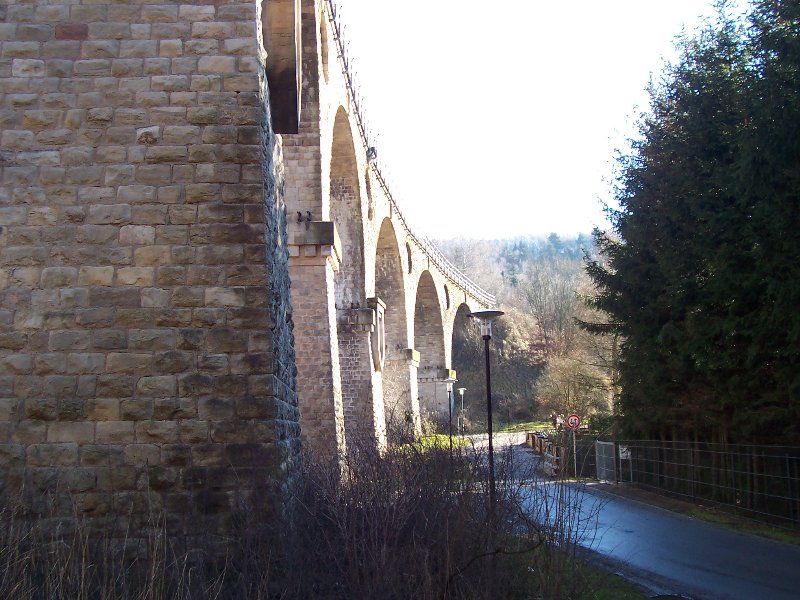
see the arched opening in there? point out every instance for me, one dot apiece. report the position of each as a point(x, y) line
point(429, 342)
point(399, 374)
point(467, 360)
point(323, 43)
point(362, 399)
point(280, 27)
point(345, 207)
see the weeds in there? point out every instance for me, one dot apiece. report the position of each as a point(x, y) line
point(412, 522)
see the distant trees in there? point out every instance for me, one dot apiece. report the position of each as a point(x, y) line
point(700, 276)
point(542, 361)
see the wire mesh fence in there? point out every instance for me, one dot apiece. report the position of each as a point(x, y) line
point(760, 481)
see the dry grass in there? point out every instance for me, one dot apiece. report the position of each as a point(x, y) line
point(403, 524)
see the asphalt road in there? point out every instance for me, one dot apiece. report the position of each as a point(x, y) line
point(673, 553)
point(667, 552)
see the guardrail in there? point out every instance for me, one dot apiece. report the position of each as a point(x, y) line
point(760, 481)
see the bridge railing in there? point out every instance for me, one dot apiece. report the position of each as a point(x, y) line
point(448, 269)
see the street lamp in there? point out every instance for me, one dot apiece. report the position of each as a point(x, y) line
point(461, 420)
point(486, 317)
point(450, 381)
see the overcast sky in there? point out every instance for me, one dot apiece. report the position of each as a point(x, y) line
point(500, 119)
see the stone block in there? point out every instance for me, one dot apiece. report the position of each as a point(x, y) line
point(161, 386)
point(213, 363)
point(52, 454)
point(256, 407)
point(136, 194)
point(202, 275)
point(116, 297)
point(174, 361)
point(167, 409)
point(201, 115)
point(160, 478)
point(142, 454)
point(138, 48)
point(92, 67)
point(136, 409)
point(68, 340)
point(195, 385)
point(149, 214)
point(114, 432)
point(191, 339)
point(78, 432)
point(182, 215)
point(119, 175)
point(103, 409)
point(130, 235)
point(176, 455)
point(100, 49)
point(72, 31)
point(115, 385)
point(216, 64)
point(193, 432)
point(227, 340)
point(218, 173)
point(157, 298)
point(28, 67)
point(224, 296)
point(152, 256)
point(209, 455)
point(40, 409)
point(98, 455)
point(38, 120)
point(127, 67)
point(48, 363)
point(71, 408)
point(116, 214)
point(16, 364)
point(129, 362)
point(157, 432)
point(85, 362)
point(170, 83)
point(54, 277)
point(29, 432)
point(96, 276)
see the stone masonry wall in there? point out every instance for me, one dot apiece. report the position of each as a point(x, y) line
point(146, 356)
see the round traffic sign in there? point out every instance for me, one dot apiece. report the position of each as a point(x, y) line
point(573, 421)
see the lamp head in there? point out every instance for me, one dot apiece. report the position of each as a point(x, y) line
point(486, 316)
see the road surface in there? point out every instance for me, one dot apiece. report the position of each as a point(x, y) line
point(670, 553)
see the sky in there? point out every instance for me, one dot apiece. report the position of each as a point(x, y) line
point(498, 119)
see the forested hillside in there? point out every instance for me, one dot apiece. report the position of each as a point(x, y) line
point(700, 273)
point(542, 361)
point(693, 294)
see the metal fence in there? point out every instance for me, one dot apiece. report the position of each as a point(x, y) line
point(760, 481)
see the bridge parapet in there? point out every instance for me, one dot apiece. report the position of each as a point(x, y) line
point(447, 268)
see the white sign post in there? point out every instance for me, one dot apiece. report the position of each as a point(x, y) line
point(573, 422)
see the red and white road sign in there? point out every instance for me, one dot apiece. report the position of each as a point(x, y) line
point(573, 421)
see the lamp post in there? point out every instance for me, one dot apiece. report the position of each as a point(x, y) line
point(450, 381)
point(486, 317)
point(461, 419)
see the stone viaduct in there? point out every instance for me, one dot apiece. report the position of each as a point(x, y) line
point(200, 261)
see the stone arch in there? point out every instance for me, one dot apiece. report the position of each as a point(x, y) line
point(323, 44)
point(345, 212)
point(429, 342)
point(362, 397)
point(280, 27)
point(466, 349)
point(399, 371)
